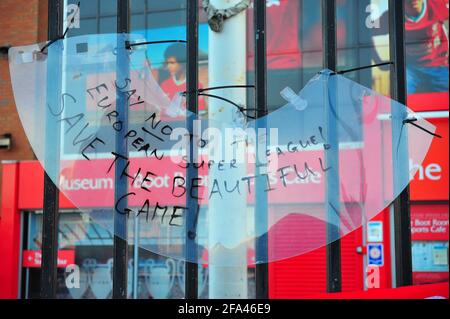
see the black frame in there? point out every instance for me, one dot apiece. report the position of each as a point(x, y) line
point(333, 247)
point(51, 191)
point(261, 243)
point(120, 250)
point(191, 268)
point(401, 205)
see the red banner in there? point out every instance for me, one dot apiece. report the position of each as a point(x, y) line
point(436, 101)
point(431, 179)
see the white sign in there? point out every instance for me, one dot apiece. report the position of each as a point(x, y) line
point(375, 232)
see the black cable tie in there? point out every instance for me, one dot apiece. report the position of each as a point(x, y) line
point(218, 88)
point(65, 32)
point(359, 68)
point(50, 43)
point(424, 129)
point(129, 45)
point(411, 120)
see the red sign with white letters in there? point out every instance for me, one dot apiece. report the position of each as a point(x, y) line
point(33, 258)
point(431, 179)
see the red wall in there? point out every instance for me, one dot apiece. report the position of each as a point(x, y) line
point(10, 233)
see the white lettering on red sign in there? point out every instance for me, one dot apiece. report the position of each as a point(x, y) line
point(435, 226)
point(432, 172)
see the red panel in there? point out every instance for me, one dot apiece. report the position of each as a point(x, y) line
point(299, 276)
point(31, 183)
point(9, 233)
point(304, 275)
point(428, 101)
point(386, 275)
point(352, 262)
point(433, 172)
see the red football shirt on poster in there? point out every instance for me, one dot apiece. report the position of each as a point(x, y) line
point(426, 35)
point(170, 87)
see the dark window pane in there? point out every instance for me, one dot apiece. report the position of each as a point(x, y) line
point(108, 25)
point(138, 6)
point(137, 22)
point(87, 26)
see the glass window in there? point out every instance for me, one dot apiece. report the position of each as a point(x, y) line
point(294, 46)
point(81, 242)
point(370, 45)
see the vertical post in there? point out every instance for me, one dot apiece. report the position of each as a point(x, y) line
point(401, 208)
point(329, 34)
point(51, 192)
point(191, 249)
point(227, 218)
point(136, 257)
point(261, 202)
point(120, 254)
point(333, 248)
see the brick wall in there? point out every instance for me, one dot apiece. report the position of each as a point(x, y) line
point(22, 22)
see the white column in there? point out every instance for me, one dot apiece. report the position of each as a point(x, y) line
point(227, 216)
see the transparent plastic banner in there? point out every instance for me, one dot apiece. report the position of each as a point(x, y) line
point(304, 176)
